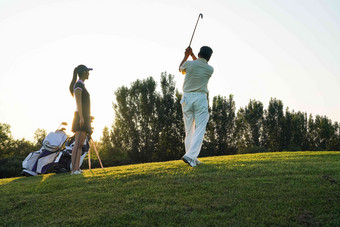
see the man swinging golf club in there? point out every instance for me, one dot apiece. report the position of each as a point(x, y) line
point(194, 101)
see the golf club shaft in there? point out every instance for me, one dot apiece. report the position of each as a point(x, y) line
point(200, 15)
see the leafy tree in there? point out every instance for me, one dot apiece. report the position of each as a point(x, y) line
point(135, 114)
point(334, 141)
point(312, 135)
point(123, 132)
point(39, 137)
point(170, 123)
point(253, 114)
point(221, 126)
point(12, 152)
point(149, 123)
point(324, 130)
point(22, 148)
point(288, 130)
point(243, 132)
point(299, 131)
point(295, 131)
point(106, 146)
point(6, 140)
point(274, 125)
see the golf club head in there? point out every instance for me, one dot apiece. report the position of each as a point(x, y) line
point(201, 15)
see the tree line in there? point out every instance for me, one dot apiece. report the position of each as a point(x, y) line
point(18, 147)
point(148, 126)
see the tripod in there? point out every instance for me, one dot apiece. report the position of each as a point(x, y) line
point(89, 155)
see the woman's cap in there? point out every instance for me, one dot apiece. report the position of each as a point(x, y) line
point(83, 68)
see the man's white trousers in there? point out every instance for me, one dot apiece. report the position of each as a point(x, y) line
point(196, 116)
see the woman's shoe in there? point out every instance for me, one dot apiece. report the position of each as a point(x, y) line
point(77, 172)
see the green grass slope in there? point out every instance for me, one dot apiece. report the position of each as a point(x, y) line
point(280, 189)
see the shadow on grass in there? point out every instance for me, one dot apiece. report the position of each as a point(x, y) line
point(93, 174)
point(41, 179)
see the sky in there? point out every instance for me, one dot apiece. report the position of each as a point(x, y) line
point(283, 49)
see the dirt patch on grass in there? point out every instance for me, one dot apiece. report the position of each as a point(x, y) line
point(306, 218)
point(330, 179)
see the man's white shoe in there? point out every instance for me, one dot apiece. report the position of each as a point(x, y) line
point(197, 162)
point(189, 161)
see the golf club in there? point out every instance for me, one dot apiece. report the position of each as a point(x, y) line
point(199, 16)
point(62, 129)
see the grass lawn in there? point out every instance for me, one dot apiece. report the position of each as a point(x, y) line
point(267, 189)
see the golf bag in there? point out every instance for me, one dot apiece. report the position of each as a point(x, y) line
point(54, 156)
point(63, 163)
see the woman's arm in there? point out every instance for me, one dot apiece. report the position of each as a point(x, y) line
point(77, 94)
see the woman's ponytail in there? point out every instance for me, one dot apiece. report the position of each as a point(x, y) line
point(75, 72)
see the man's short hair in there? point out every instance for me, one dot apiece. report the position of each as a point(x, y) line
point(205, 52)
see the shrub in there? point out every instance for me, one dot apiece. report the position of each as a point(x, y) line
point(11, 167)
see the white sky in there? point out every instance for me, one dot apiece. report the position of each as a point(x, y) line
point(285, 49)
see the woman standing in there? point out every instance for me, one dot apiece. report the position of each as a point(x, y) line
point(82, 117)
